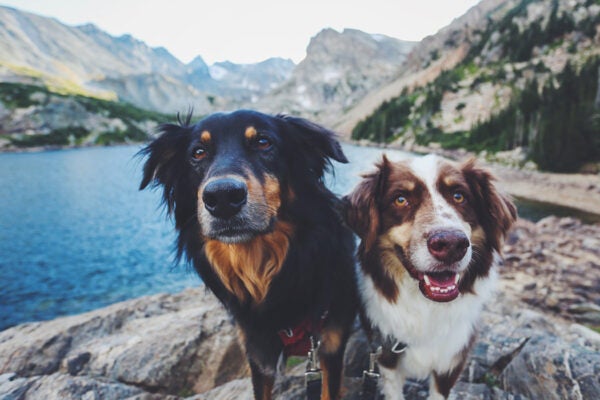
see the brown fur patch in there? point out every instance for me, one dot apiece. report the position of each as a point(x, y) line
point(250, 133)
point(481, 262)
point(478, 238)
point(444, 381)
point(272, 192)
point(268, 389)
point(247, 269)
point(205, 137)
point(495, 211)
point(362, 212)
point(401, 181)
point(325, 395)
point(264, 196)
point(291, 196)
point(331, 340)
point(450, 176)
point(398, 236)
point(387, 359)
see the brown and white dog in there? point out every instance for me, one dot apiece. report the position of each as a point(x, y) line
point(431, 233)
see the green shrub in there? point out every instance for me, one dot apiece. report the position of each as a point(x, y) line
point(58, 137)
point(18, 95)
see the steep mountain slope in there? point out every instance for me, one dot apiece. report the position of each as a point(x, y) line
point(82, 54)
point(85, 59)
point(524, 78)
point(428, 59)
point(339, 69)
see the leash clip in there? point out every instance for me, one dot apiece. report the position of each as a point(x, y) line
point(312, 376)
point(373, 362)
point(312, 366)
point(371, 376)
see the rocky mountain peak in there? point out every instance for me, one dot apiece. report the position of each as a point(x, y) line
point(353, 47)
point(339, 68)
point(198, 69)
point(89, 28)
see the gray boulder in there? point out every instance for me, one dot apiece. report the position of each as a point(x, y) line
point(169, 344)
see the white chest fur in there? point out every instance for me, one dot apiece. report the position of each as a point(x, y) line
point(434, 332)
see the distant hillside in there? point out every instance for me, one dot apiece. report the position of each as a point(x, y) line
point(339, 69)
point(526, 78)
point(85, 59)
point(33, 116)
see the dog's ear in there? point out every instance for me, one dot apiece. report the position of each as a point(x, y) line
point(361, 207)
point(166, 158)
point(495, 210)
point(316, 143)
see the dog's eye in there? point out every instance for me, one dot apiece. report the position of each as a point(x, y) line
point(199, 153)
point(458, 197)
point(263, 143)
point(401, 201)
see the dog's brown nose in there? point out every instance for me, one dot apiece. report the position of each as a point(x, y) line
point(448, 246)
point(224, 198)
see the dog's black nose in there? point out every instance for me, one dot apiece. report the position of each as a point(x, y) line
point(224, 198)
point(448, 246)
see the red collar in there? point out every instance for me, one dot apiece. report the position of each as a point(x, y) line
point(296, 340)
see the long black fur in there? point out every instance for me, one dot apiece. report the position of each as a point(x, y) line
point(318, 272)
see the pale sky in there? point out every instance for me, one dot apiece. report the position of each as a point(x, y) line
point(247, 31)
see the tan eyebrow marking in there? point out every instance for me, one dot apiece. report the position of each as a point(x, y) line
point(205, 137)
point(409, 185)
point(449, 181)
point(450, 176)
point(250, 133)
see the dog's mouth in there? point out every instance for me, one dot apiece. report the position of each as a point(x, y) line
point(440, 286)
point(232, 236)
point(238, 230)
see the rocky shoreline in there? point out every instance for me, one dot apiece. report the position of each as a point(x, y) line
point(539, 339)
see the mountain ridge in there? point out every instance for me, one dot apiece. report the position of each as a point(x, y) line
point(94, 61)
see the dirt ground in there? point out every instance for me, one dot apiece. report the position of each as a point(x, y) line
point(570, 190)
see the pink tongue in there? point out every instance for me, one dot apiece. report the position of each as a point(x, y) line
point(440, 287)
point(442, 280)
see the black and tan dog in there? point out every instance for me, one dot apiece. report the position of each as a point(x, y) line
point(257, 223)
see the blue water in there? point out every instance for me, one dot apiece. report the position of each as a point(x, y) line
point(76, 234)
